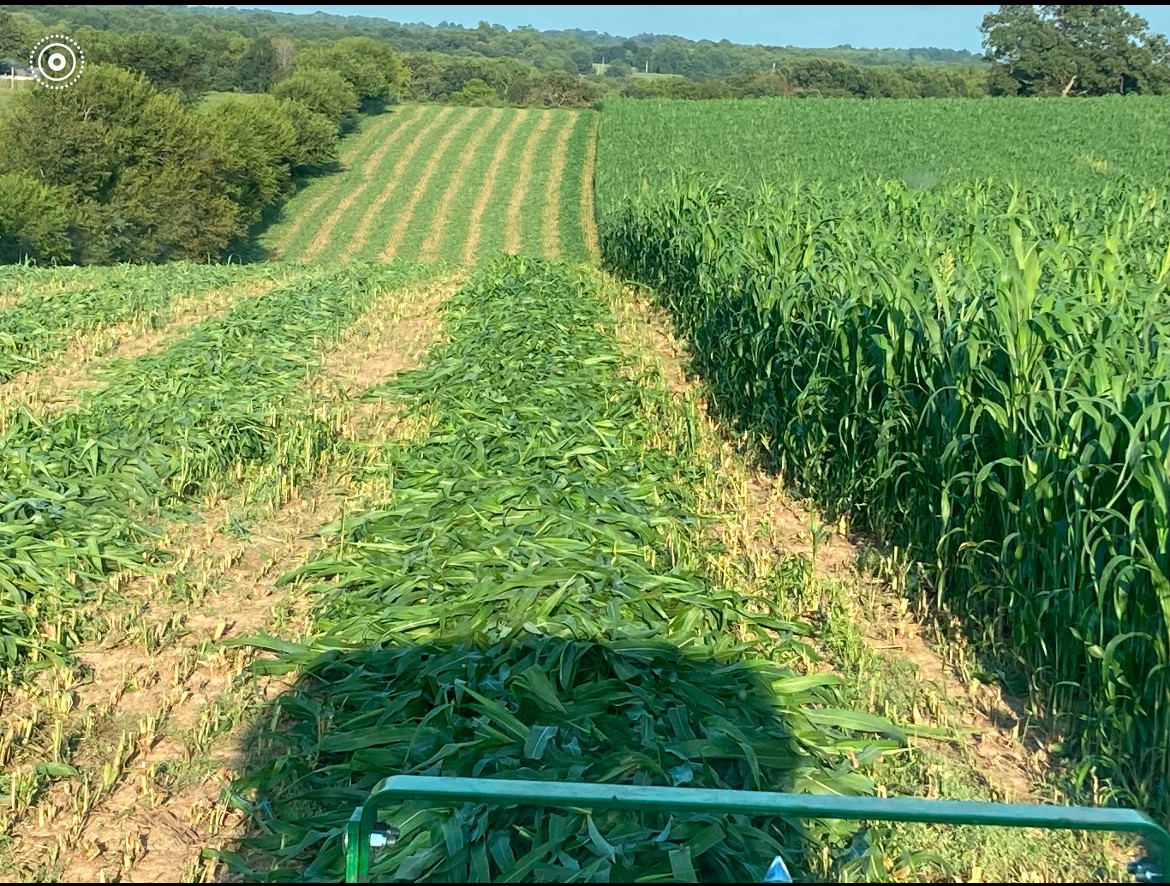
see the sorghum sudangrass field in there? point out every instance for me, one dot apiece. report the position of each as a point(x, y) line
point(975, 370)
point(453, 184)
point(255, 563)
point(1088, 143)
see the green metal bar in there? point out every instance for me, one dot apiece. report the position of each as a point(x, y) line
point(356, 842)
point(647, 797)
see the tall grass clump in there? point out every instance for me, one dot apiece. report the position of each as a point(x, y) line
point(529, 603)
point(979, 373)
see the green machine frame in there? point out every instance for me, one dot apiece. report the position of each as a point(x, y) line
point(361, 831)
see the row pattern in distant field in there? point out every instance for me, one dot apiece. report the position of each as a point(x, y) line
point(452, 184)
point(1081, 143)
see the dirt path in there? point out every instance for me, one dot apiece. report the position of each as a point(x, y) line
point(325, 192)
point(434, 241)
point(475, 221)
point(551, 220)
point(402, 222)
point(60, 385)
point(362, 234)
point(514, 224)
point(370, 168)
point(588, 218)
point(158, 711)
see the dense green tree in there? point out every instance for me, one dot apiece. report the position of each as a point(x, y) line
point(374, 70)
point(18, 33)
point(827, 77)
point(78, 138)
point(477, 94)
point(11, 38)
point(323, 91)
point(1073, 50)
point(562, 91)
point(761, 85)
point(617, 69)
point(170, 201)
point(35, 220)
point(316, 137)
point(694, 59)
point(142, 172)
point(286, 53)
point(256, 71)
point(261, 140)
point(170, 62)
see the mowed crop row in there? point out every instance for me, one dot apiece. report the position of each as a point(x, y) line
point(427, 183)
point(533, 593)
point(81, 486)
point(47, 308)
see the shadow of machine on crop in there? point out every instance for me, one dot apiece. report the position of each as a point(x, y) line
point(621, 711)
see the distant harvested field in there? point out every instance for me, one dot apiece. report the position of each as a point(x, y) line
point(433, 183)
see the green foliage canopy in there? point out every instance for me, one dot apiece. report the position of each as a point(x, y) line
point(323, 91)
point(1084, 50)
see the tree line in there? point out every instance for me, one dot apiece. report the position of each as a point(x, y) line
point(1029, 50)
point(117, 169)
point(221, 32)
point(191, 128)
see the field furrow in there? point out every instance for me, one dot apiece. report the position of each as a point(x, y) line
point(405, 215)
point(173, 699)
point(550, 220)
point(52, 319)
point(285, 239)
point(163, 429)
point(328, 234)
point(586, 210)
point(88, 356)
point(394, 182)
point(449, 184)
point(514, 220)
point(486, 189)
point(465, 170)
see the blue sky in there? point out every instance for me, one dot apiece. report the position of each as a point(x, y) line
point(947, 27)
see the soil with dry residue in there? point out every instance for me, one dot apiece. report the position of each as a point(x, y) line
point(172, 711)
point(60, 385)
